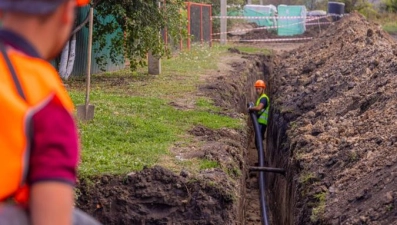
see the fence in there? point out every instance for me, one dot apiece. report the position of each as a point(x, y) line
point(199, 23)
point(80, 63)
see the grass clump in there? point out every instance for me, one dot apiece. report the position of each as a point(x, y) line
point(208, 164)
point(318, 212)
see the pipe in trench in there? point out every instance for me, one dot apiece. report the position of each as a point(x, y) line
point(261, 162)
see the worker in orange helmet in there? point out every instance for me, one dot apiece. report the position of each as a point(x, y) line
point(38, 137)
point(261, 107)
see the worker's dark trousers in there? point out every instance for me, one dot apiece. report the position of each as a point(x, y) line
point(262, 128)
point(14, 215)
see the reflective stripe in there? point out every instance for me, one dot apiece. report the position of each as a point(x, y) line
point(264, 113)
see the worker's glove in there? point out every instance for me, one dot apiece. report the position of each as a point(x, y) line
point(250, 106)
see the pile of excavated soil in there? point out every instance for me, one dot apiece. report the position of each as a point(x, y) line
point(158, 196)
point(339, 95)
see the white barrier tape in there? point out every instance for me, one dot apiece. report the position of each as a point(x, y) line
point(269, 40)
point(311, 24)
point(272, 17)
point(265, 28)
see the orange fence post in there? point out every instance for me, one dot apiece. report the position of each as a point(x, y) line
point(210, 26)
point(188, 25)
point(201, 24)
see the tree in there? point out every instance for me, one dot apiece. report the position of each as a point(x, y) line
point(135, 27)
point(390, 5)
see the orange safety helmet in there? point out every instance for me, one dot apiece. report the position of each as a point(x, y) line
point(82, 2)
point(260, 83)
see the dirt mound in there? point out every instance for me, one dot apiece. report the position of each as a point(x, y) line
point(339, 94)
point(158, 196)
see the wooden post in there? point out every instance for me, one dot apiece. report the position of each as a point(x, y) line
point(223, 21)
point(89, 55)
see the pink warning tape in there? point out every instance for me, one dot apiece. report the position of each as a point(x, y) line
point(259, 17)
point(273, 17)
point(268, 40)
point(271, 27)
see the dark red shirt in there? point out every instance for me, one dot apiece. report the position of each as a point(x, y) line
point(54, 151)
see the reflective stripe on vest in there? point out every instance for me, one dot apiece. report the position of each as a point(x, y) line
point(40, 84)
point(264, 113)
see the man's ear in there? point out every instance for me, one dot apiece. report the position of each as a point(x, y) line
point(68, 10)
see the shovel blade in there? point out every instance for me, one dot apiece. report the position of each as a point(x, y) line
point(83, 115)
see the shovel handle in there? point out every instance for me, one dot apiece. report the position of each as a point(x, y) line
point(88, 80)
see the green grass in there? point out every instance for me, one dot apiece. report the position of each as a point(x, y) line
point(254, 50)
point(135, 125)
point(388, 22)
point(390, 27)
point(208, 164)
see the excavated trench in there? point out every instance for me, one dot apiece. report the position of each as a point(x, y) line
point(332, 126)
point(226, 195)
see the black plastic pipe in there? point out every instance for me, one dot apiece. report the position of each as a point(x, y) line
point(261, 162)
point(267, 169)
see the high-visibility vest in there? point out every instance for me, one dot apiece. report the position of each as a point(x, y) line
point(264, 113)
point(38, 83)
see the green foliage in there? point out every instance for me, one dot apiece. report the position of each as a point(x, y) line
point(137, 25)
point(208, 164)
point(362, 6)
point(318, 212)
point(390, 5)
point(390, 27)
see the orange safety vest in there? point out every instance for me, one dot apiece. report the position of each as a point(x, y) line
point(39, 83)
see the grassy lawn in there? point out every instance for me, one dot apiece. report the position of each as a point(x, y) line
point(135, 125)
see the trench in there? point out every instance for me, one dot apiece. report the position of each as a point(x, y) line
point(280, 190)
point(159, 196)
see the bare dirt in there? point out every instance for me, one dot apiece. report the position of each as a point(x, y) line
point(334, 128)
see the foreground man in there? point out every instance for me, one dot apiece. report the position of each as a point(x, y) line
point(38, 140)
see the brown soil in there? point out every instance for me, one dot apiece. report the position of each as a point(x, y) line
point(158, 196)
point(334, 128)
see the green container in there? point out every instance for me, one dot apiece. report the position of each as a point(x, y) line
point(291, 26)
point(261, 11)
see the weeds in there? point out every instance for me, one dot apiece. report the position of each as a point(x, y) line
point(208, 164)
point(306, 178)
point(318, 212)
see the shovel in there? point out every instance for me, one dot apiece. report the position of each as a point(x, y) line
point(86, 111)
